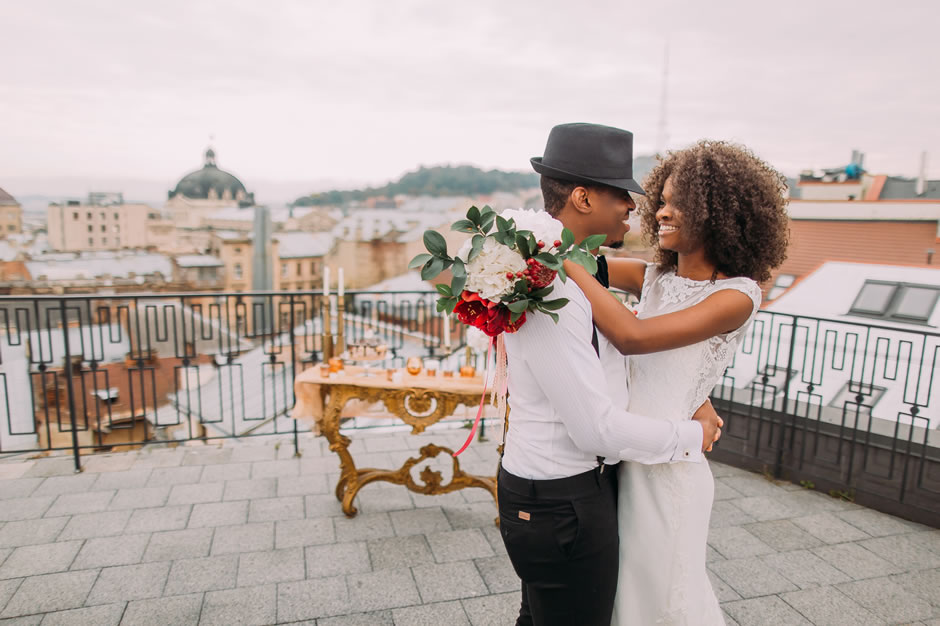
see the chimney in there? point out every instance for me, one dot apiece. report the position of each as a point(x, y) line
point(921, 186)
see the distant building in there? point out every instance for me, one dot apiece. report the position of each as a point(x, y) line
point(301, 258)
point(78, 227)
point(203, 192)
point(11, 215)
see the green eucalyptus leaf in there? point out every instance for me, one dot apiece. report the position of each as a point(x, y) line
point(464, 226)
point(546, 258)
point(444, 290)
point(432, 268)
point(459, 269)
point(518, 305)
point(514, 317)
point(457, 284)
point(473, 214)
point(541, 293)
point(487, 221)
point(567, 238)
point(418, 261)
point(553, 305)
point(476, 246)
point(522, 244)
point(502, 224)
point(435, 243)
point(593, 242)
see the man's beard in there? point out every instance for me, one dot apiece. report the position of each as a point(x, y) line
point(616, 245)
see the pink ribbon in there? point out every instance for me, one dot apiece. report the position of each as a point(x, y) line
point(476, 422)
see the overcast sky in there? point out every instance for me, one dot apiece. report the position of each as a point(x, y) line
point(307, 90)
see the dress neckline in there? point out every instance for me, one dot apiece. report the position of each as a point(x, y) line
point(675, 274)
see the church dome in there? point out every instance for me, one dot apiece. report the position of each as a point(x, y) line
point(212, 183)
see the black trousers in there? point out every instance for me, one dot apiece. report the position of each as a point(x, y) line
point(561, 536)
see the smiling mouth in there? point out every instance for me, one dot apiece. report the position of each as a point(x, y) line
point(667, 228)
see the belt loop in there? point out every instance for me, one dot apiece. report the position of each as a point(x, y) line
point(532, 493)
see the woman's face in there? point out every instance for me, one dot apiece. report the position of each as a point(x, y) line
point(669, 220)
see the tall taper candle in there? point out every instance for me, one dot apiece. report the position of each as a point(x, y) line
point(326, 280)
point(340, 290)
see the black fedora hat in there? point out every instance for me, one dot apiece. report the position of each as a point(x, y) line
point(589, 153)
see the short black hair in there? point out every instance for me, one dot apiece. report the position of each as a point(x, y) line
point(555, 193)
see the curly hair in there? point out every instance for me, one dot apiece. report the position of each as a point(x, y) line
point(732, 201)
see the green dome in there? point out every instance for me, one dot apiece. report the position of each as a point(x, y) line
point(201, 183)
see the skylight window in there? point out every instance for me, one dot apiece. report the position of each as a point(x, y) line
point(896, 301)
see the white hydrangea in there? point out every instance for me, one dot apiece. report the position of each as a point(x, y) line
point(486, 274)
point(478, 340)
point(545, 227)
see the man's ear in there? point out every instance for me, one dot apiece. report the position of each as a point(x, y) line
point(580, 201)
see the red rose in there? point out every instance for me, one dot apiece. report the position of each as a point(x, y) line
point(470, 311)
point(498, 321)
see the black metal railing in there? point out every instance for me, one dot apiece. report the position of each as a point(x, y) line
point(846, 407)
point(96, 372)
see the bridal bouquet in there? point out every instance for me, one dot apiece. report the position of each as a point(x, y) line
point(501, 274)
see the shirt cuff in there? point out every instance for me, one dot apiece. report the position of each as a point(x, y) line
point(690, 442)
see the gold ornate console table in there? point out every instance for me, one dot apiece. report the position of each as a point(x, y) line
point(419, 401)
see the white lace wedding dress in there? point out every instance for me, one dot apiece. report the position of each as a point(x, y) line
point(664, 509)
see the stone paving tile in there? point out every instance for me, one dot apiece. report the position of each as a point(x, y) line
point(723, 590)
point(108, 463)
point(432, 614)
point(498, 574)
point(101, 615)
point(735, 542)
point(753, 485)
point(169, 476)
point(131, 479)
point(40, 559)
point(108, 551)
point(276, 566)
point(726, 513)
point(453, 499)
point(472, 515)
point(363, 527)
point(301, 485)
point(249, 489)
point(196, 493)
point(303, 532)
point(276, 509)
point(29, 532)
point(18, 488)
point(206, 574)
point(856, 561)
point(244, 538)
point(14, 469)
point(140, 498)
point(157, 519)
point(767, 610)
point(419, 522)
point(62, 466)
point(7, 589)
point(252, 453)
point(397, 552)
point(248, 606)
point(51, 592)
point(88, 525)
point(923, 584)
point(207, 456)
point(336, 559)
point(805, 569)
point(179, 544)
point(274, 469)
point(724, 491)
point(388, 443)
point(383, 500)
point(16, 509)
point(58, 485)
point(322, 505)
point(312, 599)
point(162, 611)
point(129, 582)
point(448, 581)
point(496, 610)
point(225, 472)
point(829, 529)
point(783, 535)
point(764, 508)
point(902, 550)
point(75, 503)
point(26, 620)
point(219, 514)
point(459, 545)
point(158, 458)
point(751, 577)
point(388, 589)
point(878, 524)
point(888, 600)
point(829, 606)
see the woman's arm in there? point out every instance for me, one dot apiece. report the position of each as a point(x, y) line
point(626, 274)
point(721, 312)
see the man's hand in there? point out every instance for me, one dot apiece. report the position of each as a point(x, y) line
point(711, 424)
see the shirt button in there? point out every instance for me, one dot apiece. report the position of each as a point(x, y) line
point(687, 453)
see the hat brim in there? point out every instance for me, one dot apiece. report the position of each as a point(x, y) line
point(619, 183)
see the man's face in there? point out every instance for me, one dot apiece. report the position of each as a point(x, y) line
point(611, 210)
